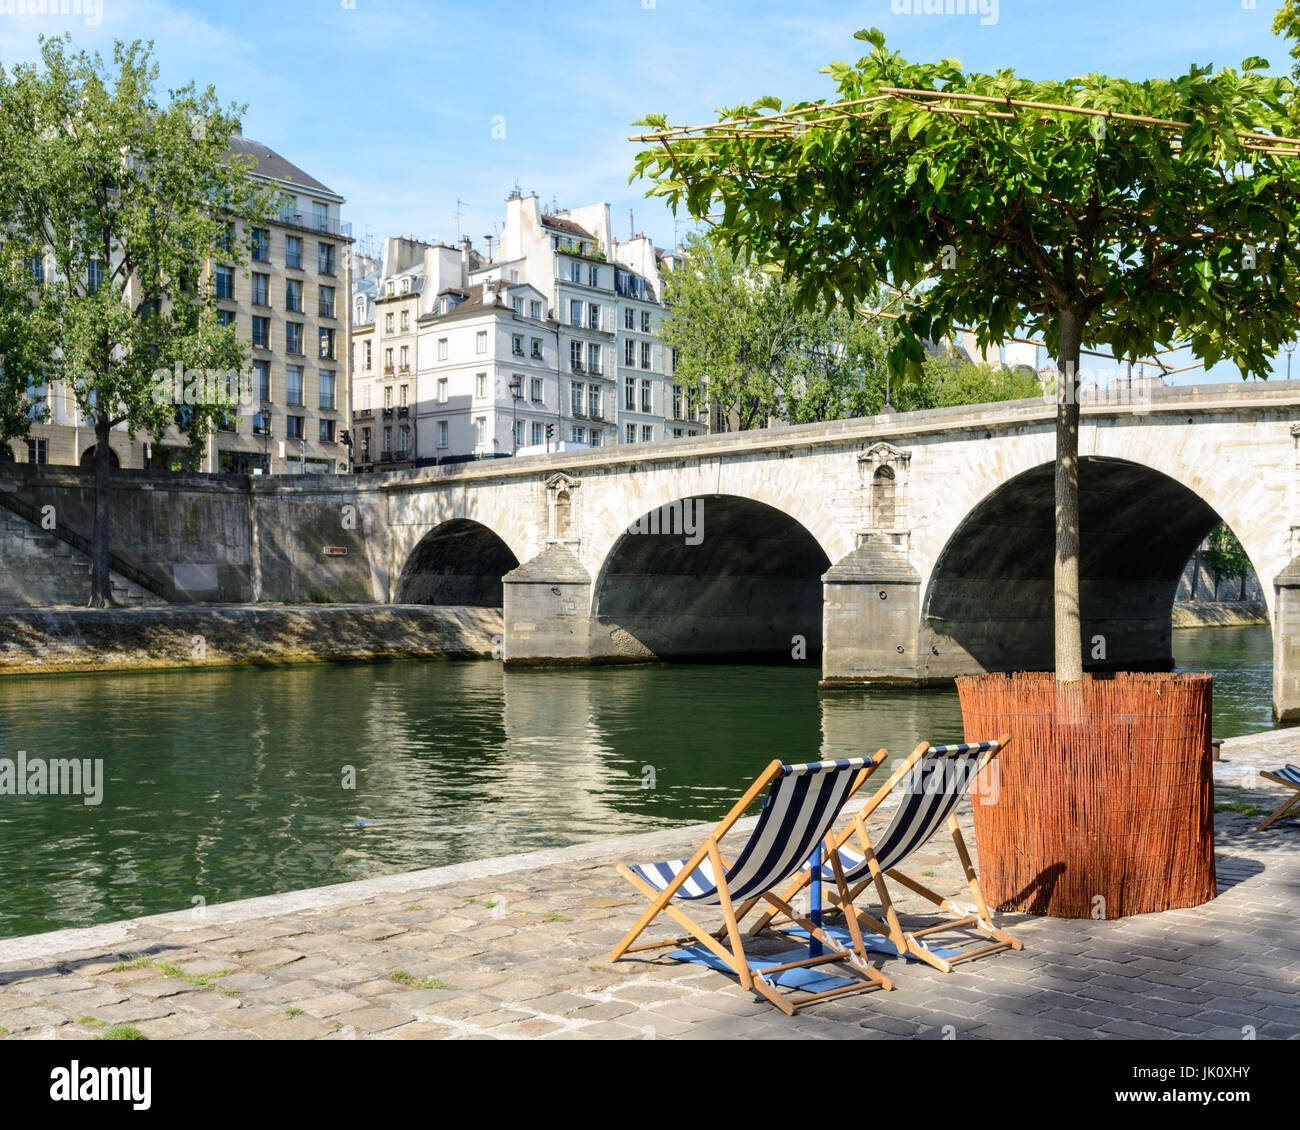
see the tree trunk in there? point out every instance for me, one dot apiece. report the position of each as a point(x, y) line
point(101, 589)
point(1196, 571)
point(1068, 621)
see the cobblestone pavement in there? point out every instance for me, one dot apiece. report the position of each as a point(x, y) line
point(505, 949)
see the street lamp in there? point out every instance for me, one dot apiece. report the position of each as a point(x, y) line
point(516, 394)
point(1289, 346)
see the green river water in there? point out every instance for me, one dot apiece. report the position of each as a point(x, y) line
point(225, 784)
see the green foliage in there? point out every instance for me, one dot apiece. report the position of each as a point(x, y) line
point(1224, 555)
point(1142, 239)
point(94, 167)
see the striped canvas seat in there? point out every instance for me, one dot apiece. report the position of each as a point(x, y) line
point(1288, 776)
point(936, 784)
point(801, 806)
point(932, 781)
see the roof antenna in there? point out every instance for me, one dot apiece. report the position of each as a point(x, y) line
point(459, 204)
point(631, 225)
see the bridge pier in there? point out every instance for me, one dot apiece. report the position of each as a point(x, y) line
point(870, 613)
point(1286, 643)
point(545, 604)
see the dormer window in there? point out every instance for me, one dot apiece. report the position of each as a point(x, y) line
point(442, 304)
point(406, 286)
point(391, 288)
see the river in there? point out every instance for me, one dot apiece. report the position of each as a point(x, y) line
point(223, 784)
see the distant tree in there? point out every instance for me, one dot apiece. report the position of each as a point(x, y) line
point(132, 198)
point(1227, 559)
point(24, 338)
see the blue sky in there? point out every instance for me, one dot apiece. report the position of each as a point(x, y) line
point(392, 103)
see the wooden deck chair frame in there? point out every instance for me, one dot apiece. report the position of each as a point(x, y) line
point(734, 958)
point(1289, 806)
point(976, 916)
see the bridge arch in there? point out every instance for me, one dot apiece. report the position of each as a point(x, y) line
point(988, 604)
point(459, 561)
point(711, 576)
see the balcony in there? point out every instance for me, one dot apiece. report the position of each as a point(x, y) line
point(404, 368)
point(388, 413)
point(403, 410)
point(325, 310)
point(596, 414)
point(364, 413)
point(322, 225)
point(388, 369)
point(594, 368)
point(576, 366)
point(293, 304)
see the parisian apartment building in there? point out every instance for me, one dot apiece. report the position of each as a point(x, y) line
point(550, 338)
point(290, 302)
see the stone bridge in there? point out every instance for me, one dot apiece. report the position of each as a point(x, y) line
point(901, 549)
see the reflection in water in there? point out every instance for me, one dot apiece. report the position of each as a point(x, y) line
point(226, 784)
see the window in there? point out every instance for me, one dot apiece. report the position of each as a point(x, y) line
point(575, 398)
point(647, 433)
point(405, 359)
point(293, 337)
point(261, 245)
point(672, 360)
point(365, 395)
point(327, 431)
point(388, 359)
point(575, 312)
point(518, 305)
point(519, 433)
point(442, 390)
point(575, 356)
point(535, 390)
point(629, 318)
point(645, 321)
point(677, 433)
point(403, 441)
point(327, 389)
point(645, 355)
point(406, 320)
point(645, 396)
point(406, 285)
point(442, 433)
point(882, 498)
point(629, 394)
point(365, 445)
point(593, 358)
point(593, 315)
point(388, 323)
point(325, 258)
point(388, 441)
point(225, 279)
point(261, 424)
point(691, 399)
point(535, 310)
point(404, 396)
point(575, 271)
point(594, 438)
point(442, 349)
point(480, 341)
point(38, 395)
point(480, 430)
point(593, 276)
point(677, 403)
point(293, 295)
point(390, 289)
point(94, 276)
point(262, 381)
point(593, 401)
point(514, 276)
point(225, 317)
point(38, 451)
point(578, 435)
point(367, 353)
point(293, 427)
point(320, 215)
point(261, 290)
point(292, 251)
point(480, 385)
point(539, 434)
point(631, 433)
point(293, 384)
point(388, 398)
point(537, 348)
point(226, 236)
point(629, 353)
point(517, 344)
point(325, 339)
point(36, 267)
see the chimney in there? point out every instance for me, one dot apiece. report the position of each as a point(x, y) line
point(465, 244)
point(487, 239)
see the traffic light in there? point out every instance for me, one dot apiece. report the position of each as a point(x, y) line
point(345, 438)
point(550, 431)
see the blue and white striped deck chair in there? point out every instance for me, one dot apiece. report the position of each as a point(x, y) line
point(934, 780)
point(1289, 777)
point(799, 812)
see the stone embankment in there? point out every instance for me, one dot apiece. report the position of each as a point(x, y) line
point(56, 640)
point(1218, 613)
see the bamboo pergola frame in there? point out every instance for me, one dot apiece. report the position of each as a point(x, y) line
point(795, 122)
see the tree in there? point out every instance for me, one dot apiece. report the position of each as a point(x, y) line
point(1227, 559)
point(133, 199)
point(1129, 215)
point(24, 332)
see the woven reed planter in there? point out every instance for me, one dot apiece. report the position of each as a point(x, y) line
point(1104, 793)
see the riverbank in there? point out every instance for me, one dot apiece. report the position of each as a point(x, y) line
point(517, 948)
point(1218, 613)
point(65, 640)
